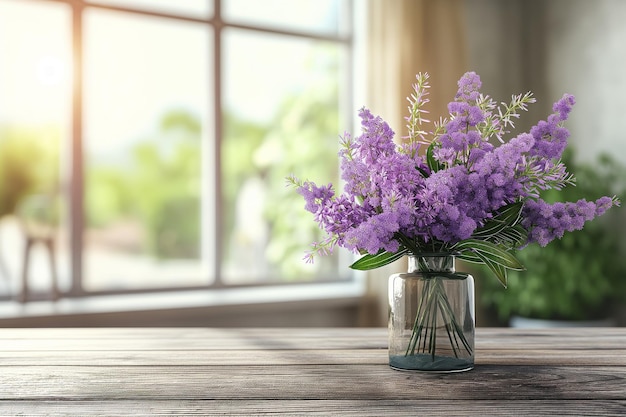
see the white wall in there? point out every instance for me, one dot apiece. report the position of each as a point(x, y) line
point(586, 56)
point(552, 47)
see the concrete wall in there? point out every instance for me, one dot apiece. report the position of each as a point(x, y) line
point(587, 57)
point(552, 47)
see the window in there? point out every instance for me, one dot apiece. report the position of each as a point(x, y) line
point(152, 139)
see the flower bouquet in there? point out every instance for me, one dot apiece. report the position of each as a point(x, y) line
point(452, 187)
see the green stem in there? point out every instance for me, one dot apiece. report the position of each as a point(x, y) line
point(433, 332)
point(434, 303)
point(457, 330)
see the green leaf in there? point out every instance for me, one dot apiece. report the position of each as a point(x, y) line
point(430, 159)
point(423, 172)
point(382, 258)
point(476, 257)
point(409, 244)
point(499, 271)
point(508, 217)
point(469, 256)
point(513, 236)
point(498, 260)
point(491, 251)
point(511, 213)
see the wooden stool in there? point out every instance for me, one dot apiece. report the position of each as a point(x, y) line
point(38, 219)
point(48, 242)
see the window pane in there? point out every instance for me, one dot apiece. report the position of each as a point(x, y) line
point(35, 108)
point(281, 116)
point(146, 107)
point(192, 8)
point(322, 16)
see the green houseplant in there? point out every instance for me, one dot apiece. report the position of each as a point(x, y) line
point(580, 276)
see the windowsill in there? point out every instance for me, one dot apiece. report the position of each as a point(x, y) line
point(184, 307)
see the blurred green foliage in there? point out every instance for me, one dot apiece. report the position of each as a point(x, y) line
point(29, 164)
point(308, 140)
point(303, 139)
point(581, 276)
point(161, 184)
point(160, 187)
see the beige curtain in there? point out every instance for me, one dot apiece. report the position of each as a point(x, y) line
point(406, 37)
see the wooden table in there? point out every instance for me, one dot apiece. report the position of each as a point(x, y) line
point(204, 372)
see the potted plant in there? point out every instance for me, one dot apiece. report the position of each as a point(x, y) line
point(578, 278)
point(462, 197)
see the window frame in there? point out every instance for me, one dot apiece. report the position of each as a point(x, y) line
point(352, 284)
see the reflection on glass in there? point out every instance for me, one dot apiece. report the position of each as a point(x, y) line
point(281, 115)
point(146, 95)
point(35, 83)
point(192, 8)
point(321, 16)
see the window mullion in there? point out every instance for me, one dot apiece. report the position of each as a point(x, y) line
point(76, 180)
point(217, 145)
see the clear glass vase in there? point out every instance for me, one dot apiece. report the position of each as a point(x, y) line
point(431, 316)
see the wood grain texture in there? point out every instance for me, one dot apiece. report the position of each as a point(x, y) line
point(347, 408)
point(197, 371)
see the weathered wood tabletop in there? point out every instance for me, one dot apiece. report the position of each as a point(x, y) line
point(195, 371)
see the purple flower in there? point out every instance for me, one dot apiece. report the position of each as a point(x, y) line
point(546, 222)
point(314, 196)
point(376, 139)
point(375, 233)
point(564, 106)
point(550, 137)
point(469, 86)
point(390, 190)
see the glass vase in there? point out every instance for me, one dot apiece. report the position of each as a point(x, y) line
point(431, 316)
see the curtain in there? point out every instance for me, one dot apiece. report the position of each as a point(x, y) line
point(405, 37)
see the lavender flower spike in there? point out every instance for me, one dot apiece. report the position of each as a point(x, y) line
point(400, 198)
